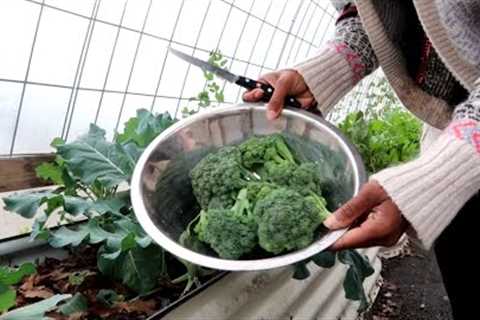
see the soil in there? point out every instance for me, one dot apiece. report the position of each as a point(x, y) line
point(79, 274)
point(412, 289)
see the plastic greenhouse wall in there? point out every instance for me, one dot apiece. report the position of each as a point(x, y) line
point(66, 63)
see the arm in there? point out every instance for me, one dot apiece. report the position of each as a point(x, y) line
point(422, 196)
point(341, 63)
point(432, 189)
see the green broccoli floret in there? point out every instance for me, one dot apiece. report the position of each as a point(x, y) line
point(258, 190)
point(306, 178)
point(287, 220)
point(256, 150)
point(279, 174)
point(303, 178)
point(219, 176)
point(230, 232)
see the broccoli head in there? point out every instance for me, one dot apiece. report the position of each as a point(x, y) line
point(306, 178)
point(219, 176)
point(258, 190)
point(302, 178)
point(230, 232)
point(257, 150)
point(287, 220)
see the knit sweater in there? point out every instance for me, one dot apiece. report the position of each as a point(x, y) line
point(431, 189)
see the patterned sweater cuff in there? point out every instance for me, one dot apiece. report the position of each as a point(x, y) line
point(433, 188)
point(331, 74)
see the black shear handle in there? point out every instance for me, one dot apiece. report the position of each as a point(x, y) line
point(267, 91)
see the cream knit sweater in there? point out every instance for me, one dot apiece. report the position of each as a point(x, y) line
point(431, 189)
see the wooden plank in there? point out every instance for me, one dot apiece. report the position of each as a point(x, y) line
point(18, 173)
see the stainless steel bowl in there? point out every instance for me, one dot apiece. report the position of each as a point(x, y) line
point(161, 193)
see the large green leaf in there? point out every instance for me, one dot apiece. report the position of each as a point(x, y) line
point(92, 158)
point(143, 128)
point(50, 172)
point(35, 311)
point(10, 276)
point(7, 297)
point(77, 205)
point(69, 237)
point(25, 204)
point(138, 268)
point(359, 269)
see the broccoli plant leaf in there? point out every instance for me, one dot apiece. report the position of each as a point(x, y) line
point(35, 311)
point(68, 237)
point(38, 227)
point(324, 259)
point(359, 269)
point(9, 276)
point(301, 271)
point(77, 205)
point(76, 304)
point(7, 297)
point(144, 128)
point(25, 204)
point(107, 297)
point(138, 268)
point(50, 172)
point(92, 158)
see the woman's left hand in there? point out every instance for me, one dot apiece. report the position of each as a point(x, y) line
point(374, 218)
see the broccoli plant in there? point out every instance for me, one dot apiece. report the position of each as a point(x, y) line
point(88, 174)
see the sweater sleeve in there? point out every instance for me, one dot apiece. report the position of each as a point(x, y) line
point(341, 63)
point(431, 190)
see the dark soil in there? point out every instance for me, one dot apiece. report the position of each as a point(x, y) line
point(79, 274)
point(412, 289)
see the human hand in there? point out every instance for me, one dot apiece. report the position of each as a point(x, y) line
point(374, 217)
point(287, 82)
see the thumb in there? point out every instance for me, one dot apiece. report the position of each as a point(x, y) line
point(371, 195)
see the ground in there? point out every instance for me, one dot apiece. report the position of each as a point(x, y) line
point(412, 289)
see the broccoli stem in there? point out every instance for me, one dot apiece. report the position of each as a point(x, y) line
point(284, 151)
point(321, 203)
point(242, 205)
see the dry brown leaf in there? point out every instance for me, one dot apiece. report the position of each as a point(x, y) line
point(76, 316)
point(38, 292)
point(29, 283)
point(148, 306)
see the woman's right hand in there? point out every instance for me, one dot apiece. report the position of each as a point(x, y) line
point(287, 82)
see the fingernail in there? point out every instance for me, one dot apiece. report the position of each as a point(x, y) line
point(258, 94)
point(330, 222)
point(271, 115)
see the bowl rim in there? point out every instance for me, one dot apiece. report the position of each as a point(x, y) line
point(176, 249)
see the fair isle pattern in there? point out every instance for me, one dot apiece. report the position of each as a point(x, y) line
point(467, 130)
point(350, 31)
point(461, 22)
point(353, 59)
point(470, 109)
